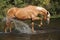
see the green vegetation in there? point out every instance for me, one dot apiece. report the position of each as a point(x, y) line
point(55, 16)
point(51, 5)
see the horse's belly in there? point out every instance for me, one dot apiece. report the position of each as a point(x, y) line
point(24, 17)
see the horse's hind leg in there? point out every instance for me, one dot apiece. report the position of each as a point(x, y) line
point(40, 22)
point(8, 25)
point(5, 29)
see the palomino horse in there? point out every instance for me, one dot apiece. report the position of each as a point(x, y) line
point(29, 12)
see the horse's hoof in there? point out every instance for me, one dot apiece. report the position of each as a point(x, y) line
point(5, 32)
point(39, 25)
point(33, 31)
point(10, 31)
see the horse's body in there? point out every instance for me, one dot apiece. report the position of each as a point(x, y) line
point(29, 12)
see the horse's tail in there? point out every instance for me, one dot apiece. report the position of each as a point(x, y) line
point(48, 17)
point(5, 19)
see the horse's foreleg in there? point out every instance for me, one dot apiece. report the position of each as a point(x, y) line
point(37, 18)
point(10, 29)
point(40, 22)
point(32, 26)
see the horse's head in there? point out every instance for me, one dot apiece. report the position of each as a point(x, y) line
point(47, 18)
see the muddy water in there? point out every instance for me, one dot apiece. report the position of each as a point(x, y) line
point(47, 32)
point(41, 36)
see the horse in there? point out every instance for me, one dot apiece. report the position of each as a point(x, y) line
point(29, 12)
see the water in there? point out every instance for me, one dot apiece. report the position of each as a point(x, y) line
point(41, 36)
point(46, 32)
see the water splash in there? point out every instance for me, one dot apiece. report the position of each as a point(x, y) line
point(20, 26)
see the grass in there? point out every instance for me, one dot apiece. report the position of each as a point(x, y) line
point(1, 16)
